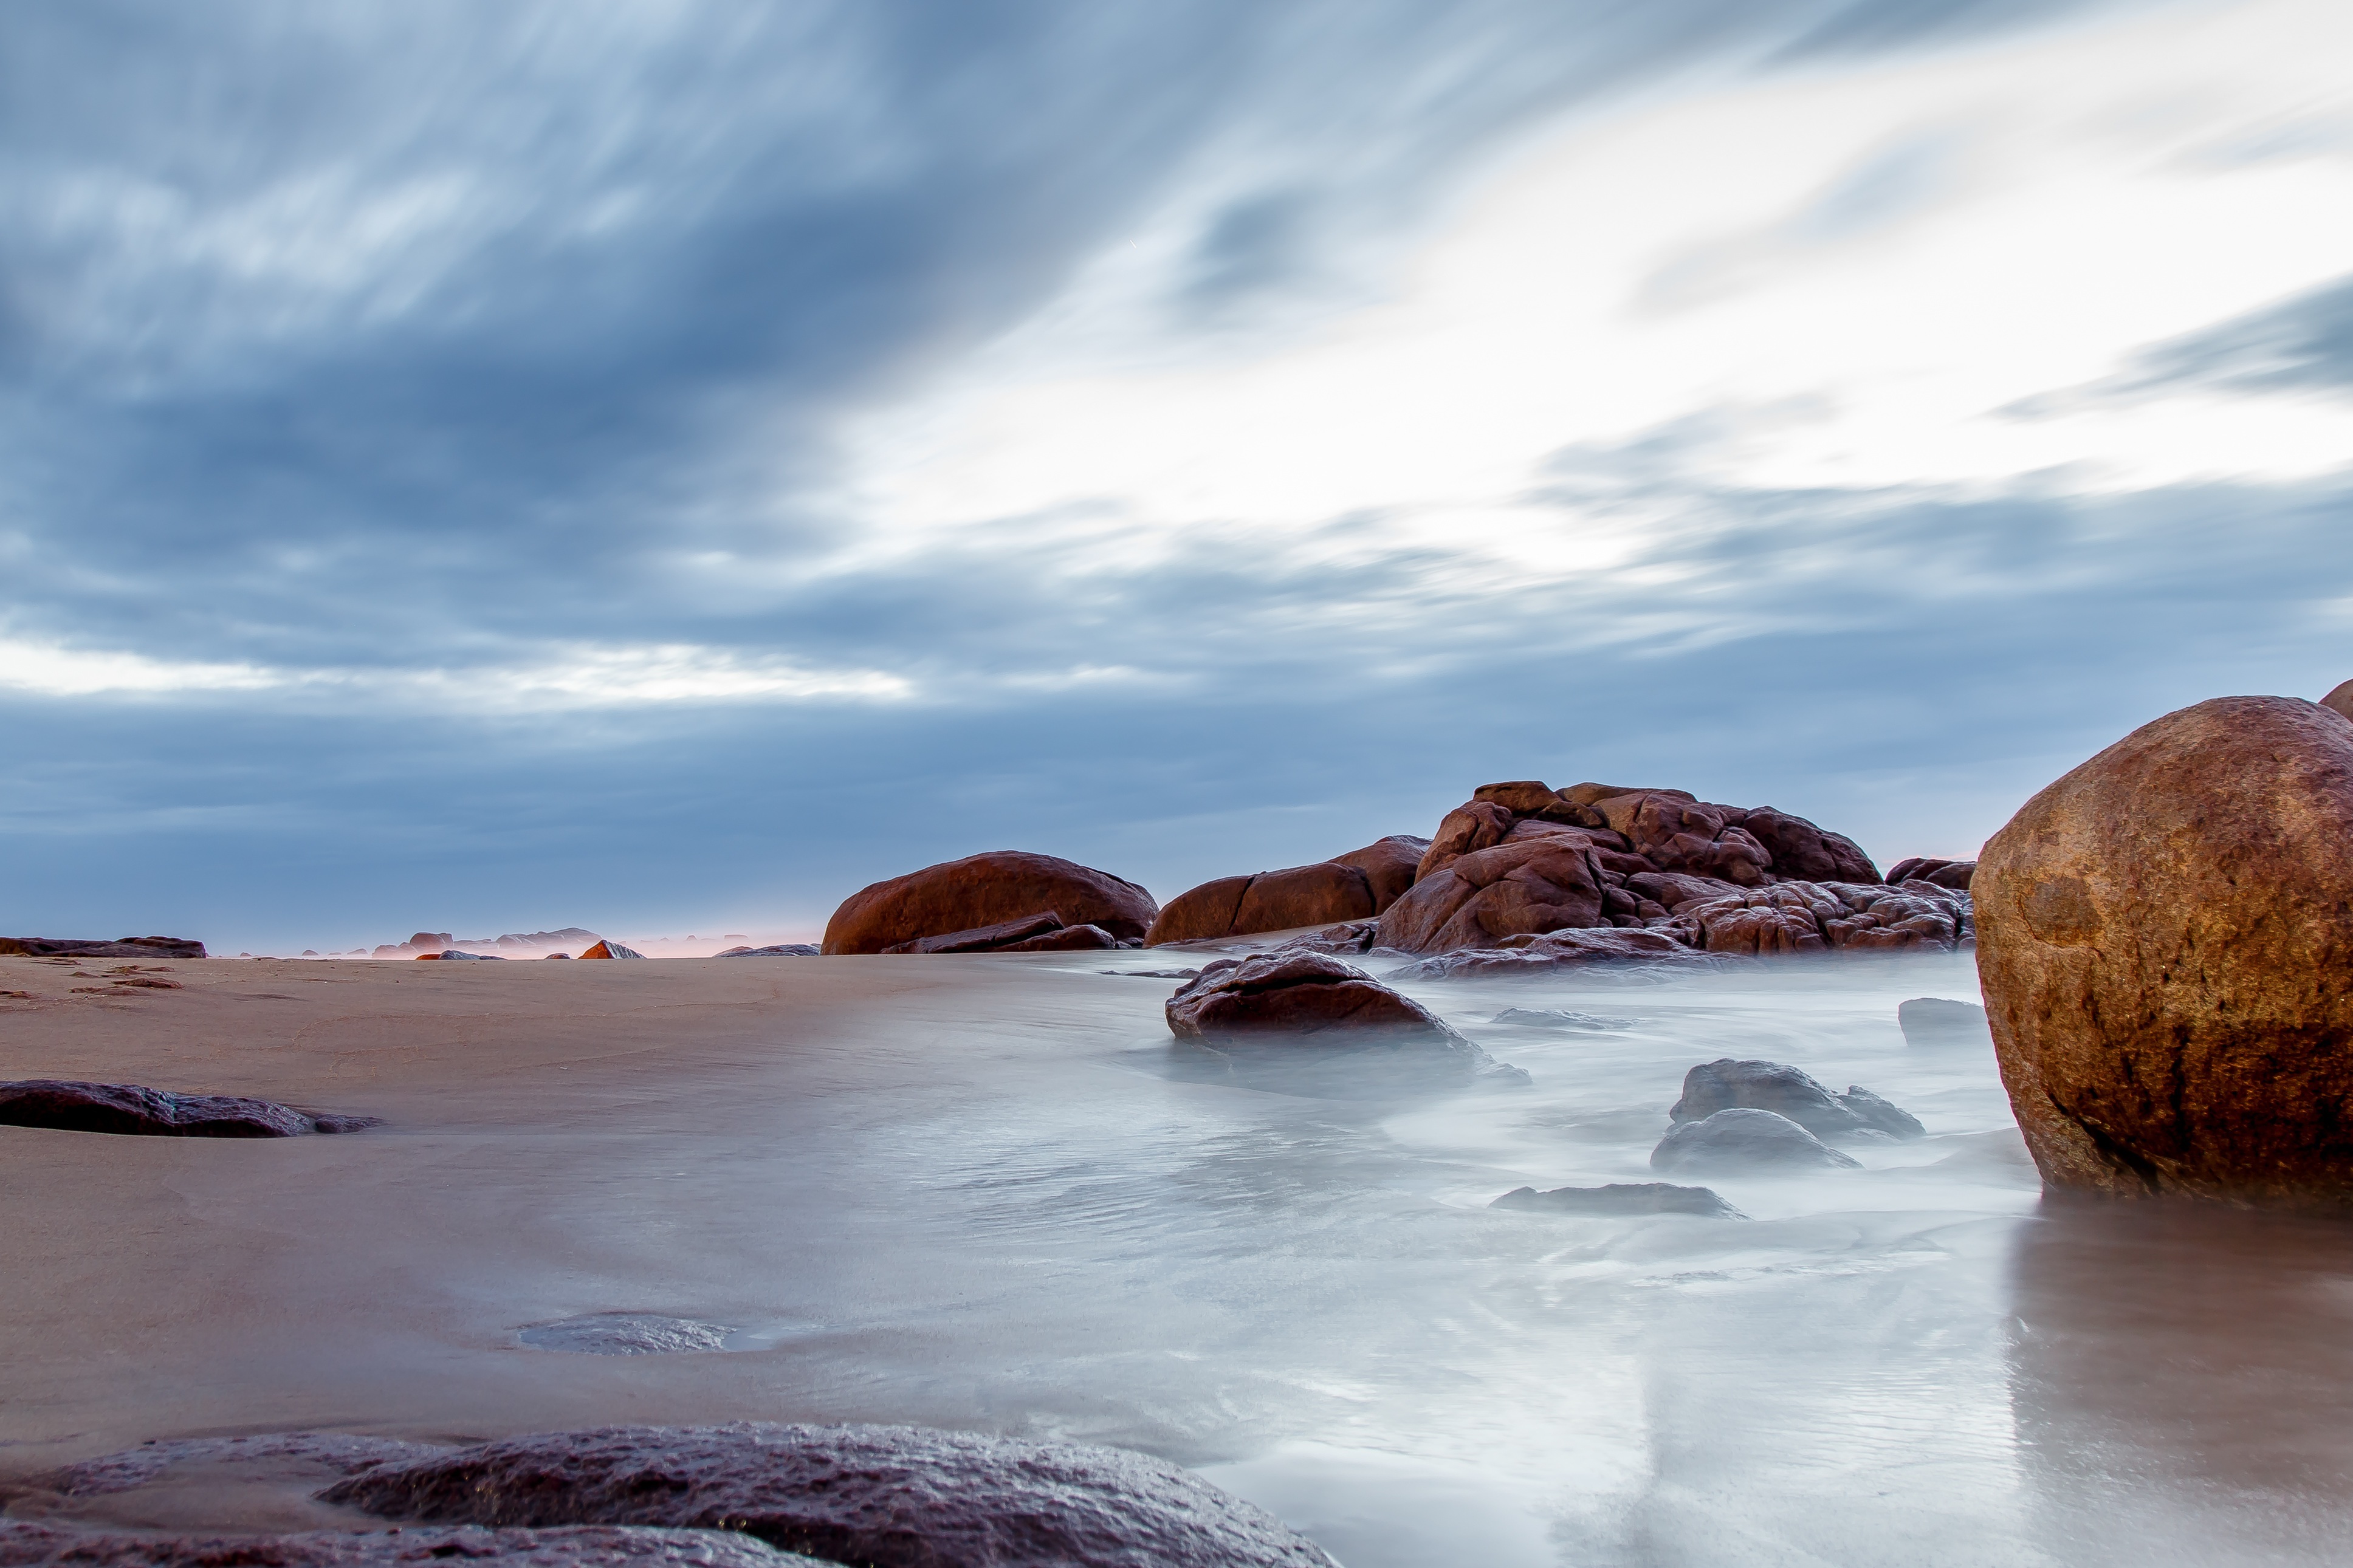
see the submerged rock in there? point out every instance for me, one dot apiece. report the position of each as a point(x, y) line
point(1287, 1006)
point(28, 1542)
point(1731, 1141)
point(893, 1497)
point(983, 891)
point(1620, 1198)
point(125, 1107)
point(1785, 1090)
point(627, 1334)
point(2166, 932)
point(1559, 1018)
point(1937, 1021)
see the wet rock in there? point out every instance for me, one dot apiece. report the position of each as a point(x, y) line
point(1352, 886)
point(1803, 852)
point(125, 1107)
point(1773, 1086)
point(1954, 874)
point(1622, 1198)
point(1548, 880)
point(982, 891)
point(1389, 866)
point(777, 950)
point(1686, 835)
point(23, 1543)
point(1350, 936)
point(1272, 1012)
point(1742, 1139)
point(322, 1456)
point(893, 1497)
point(627, 1334)
point(1070, 939)
point(2165, 934)
point(984, 938)
point(1557, 951)
point(120, 947)
point(1817, 917)
point(1937, 1021)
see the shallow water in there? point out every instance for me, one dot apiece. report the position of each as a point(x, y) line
point(993, 1203)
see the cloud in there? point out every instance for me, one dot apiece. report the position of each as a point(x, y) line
point(2302, 345)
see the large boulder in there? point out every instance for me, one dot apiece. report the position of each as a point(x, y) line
point(1352, 887)
point(1301, 1020)
point(983, 891)
point(2164, 937)
point(1545, 878)
point(1788, 1091)
point(130, 1107)
point(890, 1497)
point(1744, 1140)
point(1389, 866)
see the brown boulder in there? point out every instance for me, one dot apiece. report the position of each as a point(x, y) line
point(1389, 866)
point(1541, 882)
point(1352, 887)
point(1292, 992)
point(1070, 939)
point(981, 939)
point(983, 889)
point(1803, 852)
point(1474, 825)
point(1682, 835)
point(1954, 874)
point(2339, 698)
point(2165, 936)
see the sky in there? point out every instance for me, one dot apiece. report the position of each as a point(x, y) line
point(662, 467)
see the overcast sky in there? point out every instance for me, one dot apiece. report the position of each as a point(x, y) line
point(662, 467)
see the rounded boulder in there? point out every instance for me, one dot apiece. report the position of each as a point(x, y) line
point(983, 891)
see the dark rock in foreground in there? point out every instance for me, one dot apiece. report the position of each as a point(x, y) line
point(777, 949)
point(1937, 1021)
point(155, 1112)
point(1744, 1141)
point(2167, 932)
point(26, 1543)
point(120, 947)
point(1620, 1198)
point(1557, 951)
point(1296, 1005)
point(985, 890)
point(893, 1497)
point(1785, 1090)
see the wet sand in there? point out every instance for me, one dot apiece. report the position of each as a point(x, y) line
point(970, 1192)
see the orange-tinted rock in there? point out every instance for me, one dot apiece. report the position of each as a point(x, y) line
point(1816, 917)
point(1389, 866)
point(983, 889)
point(610, 948)
point(2165, 934)
point(1540, 883)
point(1070, 939)
point(1199, 914)
point(1522, 797)
point(1320, 894)
point(1681, 834)
point(1293, 993)
point(2340, 699)
point(1474, 825)
point(1595, 794)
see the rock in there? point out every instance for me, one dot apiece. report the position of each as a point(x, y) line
point(983, 889)
point(131, 1109)
point(1543, 882)
point(1952, 874)
point(2165, 934)
point(611, 948)
point(778, 950)
point(30, 1543)
point(627, 1334)
point(982, 939)
point(1297, 1003)
point(2339, 698)
point(1622, 1197)
point(494, 958)
point(1682, 835)
point(1785, 1090)
point(1817, 917)
point(120, 947)
point(893, 1497)
point(1744, 1140)
point(1561, 949)
point(1320, 894)
point(1389, 866)
point(1350, 936)
point(1559, 1018)
point(1593, 795)
point(1934, 1021)
point(1472, 827)
point(563, 955)
point(1070, 939)
point(1803, 852)
point(1672, 889)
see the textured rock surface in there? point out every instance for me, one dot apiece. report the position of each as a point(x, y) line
point(1546, 878)
point(1304, 1022)
point(983, 889)
point(1787, 1091)
point(1954, 874)
point(1389, 866)
point(120, 947)
point(981, 939)
point(1937, 1021)
point(2339, 698)
point(1741, 1138)
point(130, 1109)
point(1352, 887)
point(24, 1544)
point(608, 948)
point(322, 1455)
point(893, 1497)
point(627, 1334)
point(1557, 951)
point(1622, 1197)
point(776, 950)
point(1817, 917)
point(2165, 934)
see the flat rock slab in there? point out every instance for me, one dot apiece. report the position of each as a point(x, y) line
point(24, 1544)
point(1622, 1198)
point(628, 1334)
point(127, 1108)
point(892, 1497)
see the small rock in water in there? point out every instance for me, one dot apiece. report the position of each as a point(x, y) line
point(1937, 1021)
point(129, 1108)
point(1622, 1197)
point(1785, 1090)
point(1744, 1140)
point(1559, 1018)
point(628, 1334)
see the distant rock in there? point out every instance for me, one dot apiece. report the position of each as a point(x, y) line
point(611, 948)
point(1937, 1021)
point(1622, 1198)
point(2166, 933)
point(1744, 1139)
point(122, 1107)
point(1356, 886)
point(1773, 1086)
point(120, 947)
point(2339, 699)
point(778, 950)
point(890, 1497)
point(1297, 1003)
point(564, 955)
point(496, 958)
point(1561, 949)
point(984, 891)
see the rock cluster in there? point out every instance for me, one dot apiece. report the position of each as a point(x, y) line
point(2166, 932)
point(155, 1112)
point(982, 891)
point(120, 947)
point(1356, 886)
